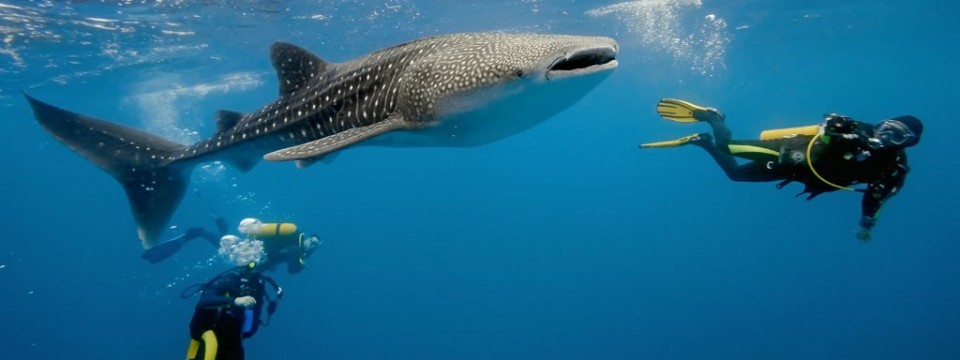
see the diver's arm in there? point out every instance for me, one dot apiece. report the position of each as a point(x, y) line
point(212, 297)
point(214, 301)
point(294, 266)
point(877, 193)
point(210, 300)
point(869, 208)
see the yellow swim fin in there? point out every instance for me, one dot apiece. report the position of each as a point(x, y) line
point(209, 340)
point(193, 349)
point(210, 344)
point(683, 111)
point(671, 143)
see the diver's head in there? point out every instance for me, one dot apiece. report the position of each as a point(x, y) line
point(228, 241)
point(308, 244)
point(242, 252)
point(311, 242)
point(249, 226)
point(899, 132)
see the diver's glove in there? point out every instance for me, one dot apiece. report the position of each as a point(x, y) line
point(245, 301)
point(866, 223)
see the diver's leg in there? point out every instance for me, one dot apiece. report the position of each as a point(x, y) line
point(723, 158)
point(721, 133)
point(753, 171)
point(210, 345)
point(211, 238)
point(230, 340)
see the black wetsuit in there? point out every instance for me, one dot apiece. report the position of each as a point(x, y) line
point(842, 156)
point(285, 249)
point(216, 311)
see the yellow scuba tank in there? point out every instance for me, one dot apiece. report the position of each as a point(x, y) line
point(774, 134)
point(268, 230)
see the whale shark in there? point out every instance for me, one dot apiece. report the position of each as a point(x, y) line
point(454, 90)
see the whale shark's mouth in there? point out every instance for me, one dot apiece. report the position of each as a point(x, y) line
point(582, 62)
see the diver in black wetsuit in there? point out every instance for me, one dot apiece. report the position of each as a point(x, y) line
point(284, 243)
point(229, 312)
point(831, 156)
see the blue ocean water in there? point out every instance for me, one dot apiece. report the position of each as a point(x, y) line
point(562, 242)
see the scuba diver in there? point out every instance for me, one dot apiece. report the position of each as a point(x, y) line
point(283, 243)
point(230, 305)
point(826, 157)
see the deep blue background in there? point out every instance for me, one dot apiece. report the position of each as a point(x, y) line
point(563, 242)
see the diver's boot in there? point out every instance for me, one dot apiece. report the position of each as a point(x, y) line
point(702, 140)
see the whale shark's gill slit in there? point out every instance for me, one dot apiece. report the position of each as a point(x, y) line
point(584, 59)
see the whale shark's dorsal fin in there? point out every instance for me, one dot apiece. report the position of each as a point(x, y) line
point(227, 119)
point(295, 66)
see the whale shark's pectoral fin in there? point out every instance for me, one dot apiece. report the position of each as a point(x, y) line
point(309, 153)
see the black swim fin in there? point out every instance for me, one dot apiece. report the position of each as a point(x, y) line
point(163, 250)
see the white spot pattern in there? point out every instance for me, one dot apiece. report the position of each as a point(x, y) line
point(367, 90)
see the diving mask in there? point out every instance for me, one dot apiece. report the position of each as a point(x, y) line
point(894, 134)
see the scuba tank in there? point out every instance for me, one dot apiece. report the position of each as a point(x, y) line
point(773, 134)
point(268, 230)
point(248, 318)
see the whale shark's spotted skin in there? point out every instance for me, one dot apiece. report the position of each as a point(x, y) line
point(408, 81)
point(429, 86)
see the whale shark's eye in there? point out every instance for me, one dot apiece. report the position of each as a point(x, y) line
point(519, 73)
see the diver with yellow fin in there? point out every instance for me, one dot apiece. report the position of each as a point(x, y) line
point(826, 157)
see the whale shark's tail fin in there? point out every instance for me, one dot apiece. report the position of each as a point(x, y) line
point(144, 164)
